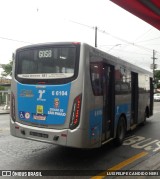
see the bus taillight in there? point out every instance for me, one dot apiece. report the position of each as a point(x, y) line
point(13, 113)
point(76, 110)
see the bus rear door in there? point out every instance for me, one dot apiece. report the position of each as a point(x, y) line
point(108, 102)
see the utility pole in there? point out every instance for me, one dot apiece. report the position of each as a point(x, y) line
point(154, 65)
point(96, 36)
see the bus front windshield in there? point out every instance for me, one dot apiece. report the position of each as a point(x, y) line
point(46, 63)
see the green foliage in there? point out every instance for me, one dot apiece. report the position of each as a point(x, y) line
point(157, 74)
point(2, 88)
point(157, 77)
point(7, 69)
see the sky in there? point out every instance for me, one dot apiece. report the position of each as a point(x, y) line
point(25, 22)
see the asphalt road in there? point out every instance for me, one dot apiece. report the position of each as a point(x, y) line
point(140, 151)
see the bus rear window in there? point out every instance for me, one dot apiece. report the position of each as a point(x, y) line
point(48, 63)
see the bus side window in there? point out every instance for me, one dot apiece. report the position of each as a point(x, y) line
point(96, 78)
point(125, 87)
point(122, 88)
point(117, 88)
point(122, 81)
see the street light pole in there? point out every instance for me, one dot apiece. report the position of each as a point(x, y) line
point(96, 36)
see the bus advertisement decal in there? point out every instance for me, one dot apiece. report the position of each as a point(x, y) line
point(47, 106)
point(39, 109)
point(39, 117)
point(26, 93)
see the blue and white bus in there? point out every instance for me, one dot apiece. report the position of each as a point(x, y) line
point(74, 95)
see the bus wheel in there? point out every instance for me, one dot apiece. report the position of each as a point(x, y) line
point(121, 130)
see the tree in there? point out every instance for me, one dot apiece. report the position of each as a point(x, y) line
point(157, 74)
point(7, 69)
point(157, 77)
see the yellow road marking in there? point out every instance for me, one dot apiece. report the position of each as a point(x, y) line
point(120, 165)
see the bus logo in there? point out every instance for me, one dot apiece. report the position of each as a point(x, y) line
point(6, 173)
point(26, 93)
point(41, 92)
point(27, 115)
point(56, 103)
point(39, 109)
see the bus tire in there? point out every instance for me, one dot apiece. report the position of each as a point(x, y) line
point(144, 119)
point(121, 131)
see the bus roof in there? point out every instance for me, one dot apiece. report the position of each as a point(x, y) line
point(105, 54)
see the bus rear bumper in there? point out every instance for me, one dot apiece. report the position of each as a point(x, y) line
point(63, 137)
point(52, 136)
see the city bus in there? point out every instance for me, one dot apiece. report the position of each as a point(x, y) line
point(74, 95)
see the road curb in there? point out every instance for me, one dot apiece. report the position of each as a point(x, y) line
point(4, 112)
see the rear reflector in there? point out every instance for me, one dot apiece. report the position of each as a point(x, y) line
point(64, 135)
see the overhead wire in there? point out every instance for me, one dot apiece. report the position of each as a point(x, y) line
point(126, 41)
point(99, 30)
point(14, 40)
point(142, 35)
point(114, 36)
point(148, 40)
point(126, 51)
point(91, 27)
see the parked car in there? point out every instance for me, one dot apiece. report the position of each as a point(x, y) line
point(157, 97)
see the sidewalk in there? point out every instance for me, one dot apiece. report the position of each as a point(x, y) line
point(151, 162)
